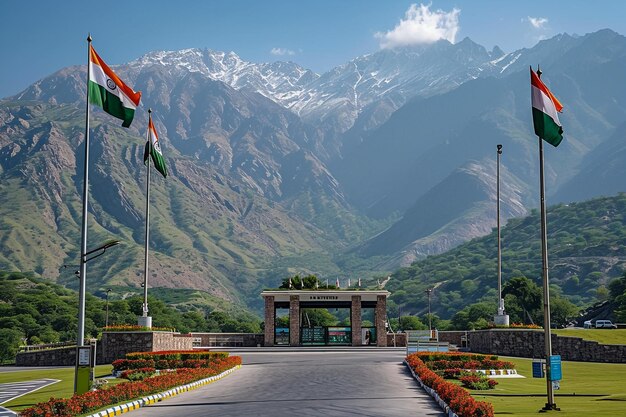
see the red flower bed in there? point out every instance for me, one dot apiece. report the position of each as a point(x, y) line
point(452, 373)
point(135, 328)
point(477, 381)
point(442, 361)
point(125, 364)
point(126, 391)
point(179, 355)
point(457, 398)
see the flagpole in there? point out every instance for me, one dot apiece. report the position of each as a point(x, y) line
point(550, 405)
point(145, 320)
point(80, 340)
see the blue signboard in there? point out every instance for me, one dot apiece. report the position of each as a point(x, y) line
point(538, 368)
point(555, 368)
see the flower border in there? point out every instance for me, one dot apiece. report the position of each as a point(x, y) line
point(151, 399)
point(459, 401)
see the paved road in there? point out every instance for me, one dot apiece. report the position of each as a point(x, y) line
point(355, 382)
point(12, 390)
point(16, 389)
point(29, 368)
point(5, 412)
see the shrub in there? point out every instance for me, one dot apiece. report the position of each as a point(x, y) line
point(138, 374)
point(94, 400)
point(124, 364)
point(457, 398)
point(452, 373)
point(472, 380)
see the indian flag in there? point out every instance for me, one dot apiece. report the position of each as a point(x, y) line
point(109, 92)
point(546, 110)
point(153, 149)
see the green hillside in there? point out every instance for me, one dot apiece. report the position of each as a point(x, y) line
point(35, 310)
point(586, 249)
point(209, 232)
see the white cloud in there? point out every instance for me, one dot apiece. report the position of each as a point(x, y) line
point(421, 25)
point(281, 51)
point(538, 22)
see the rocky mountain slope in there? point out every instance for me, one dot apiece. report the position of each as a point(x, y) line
point(276, 169)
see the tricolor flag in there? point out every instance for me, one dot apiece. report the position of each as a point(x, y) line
point(546, 110)
point(153, 149)
point(109, 92)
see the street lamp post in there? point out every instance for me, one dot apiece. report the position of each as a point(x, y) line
point(430, 320)
point(106, 319)
point(500, 319)
point(86, 257)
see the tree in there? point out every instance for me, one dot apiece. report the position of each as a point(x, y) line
point(617, 287)
point(10, 340)
point(319, 317)
point(526, 295)
point(411, 323)
point(309, 282)
point(562, 311)
point(474, 316)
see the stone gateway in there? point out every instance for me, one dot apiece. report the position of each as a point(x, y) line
point(298, 335)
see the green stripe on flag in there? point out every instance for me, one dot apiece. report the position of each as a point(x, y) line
point(546, 128)
point(157, 158)
point(110, 103)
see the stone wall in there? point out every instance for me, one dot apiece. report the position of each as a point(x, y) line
point(114, 345)
point(400, 339)
point(228, 339)
point(453, 337)
point(172, 341)
point(530, 344)
point(49, 357)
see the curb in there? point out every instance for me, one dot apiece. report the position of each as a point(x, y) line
point(432, 393)
point(151, 399)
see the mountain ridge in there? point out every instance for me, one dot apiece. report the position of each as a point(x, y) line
point(260, 187)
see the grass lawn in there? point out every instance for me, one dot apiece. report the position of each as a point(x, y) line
point(608, 380)
point(606, 336)
point(63, 389)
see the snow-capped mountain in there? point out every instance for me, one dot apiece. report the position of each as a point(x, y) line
point(279, 81)
point(338, 96)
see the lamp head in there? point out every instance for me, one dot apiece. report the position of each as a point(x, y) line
point(499, 149)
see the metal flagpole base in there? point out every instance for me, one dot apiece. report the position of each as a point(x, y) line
point(145, 321)
point(501, 320)
point(549, 407)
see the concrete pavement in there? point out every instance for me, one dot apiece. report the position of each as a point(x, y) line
point(13, 390)
point(307, 382)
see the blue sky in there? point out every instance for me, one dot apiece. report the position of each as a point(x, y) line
point(40, 37)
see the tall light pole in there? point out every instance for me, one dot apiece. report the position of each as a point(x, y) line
point(106, 320)
point(86, 257)
point(501, 319)
point(430, 320)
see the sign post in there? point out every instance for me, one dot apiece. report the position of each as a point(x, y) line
point(555, 368)
point(538, 368)
point(84, 368)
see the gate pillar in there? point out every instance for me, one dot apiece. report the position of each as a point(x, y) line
point(294, 320)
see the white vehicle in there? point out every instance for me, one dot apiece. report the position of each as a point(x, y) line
point(605, 324)
point(588, 325)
